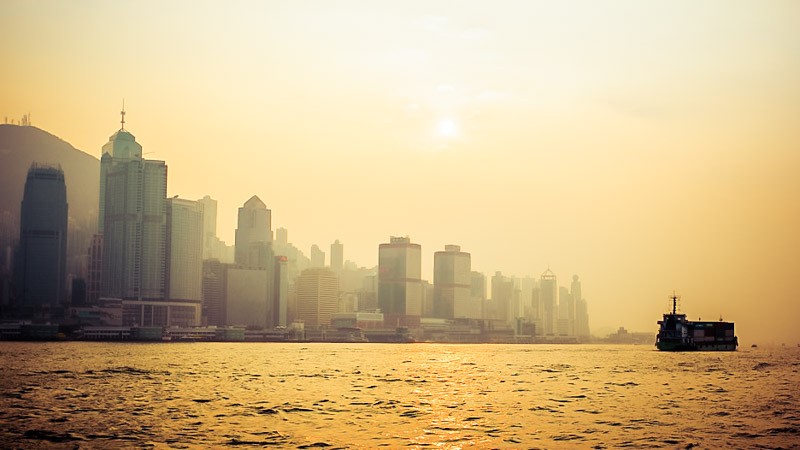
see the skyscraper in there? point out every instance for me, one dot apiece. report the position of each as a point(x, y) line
point(477, 291)
point(317, 296)
point(400, 282)
point(209, 227)
point(337, 256)
point(185, 249)
point(502, 297)
point(253, 234)
point(132, 220)
point(42, 257)
point(548, 297)
point(280, 293)
point(581, 309)
point(249, 289)
point(452, 270)
point(215, 276)
point(317, 256)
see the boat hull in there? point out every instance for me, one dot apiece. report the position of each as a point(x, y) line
point(705, 347)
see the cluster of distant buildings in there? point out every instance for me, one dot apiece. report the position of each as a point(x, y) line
point(157, 262)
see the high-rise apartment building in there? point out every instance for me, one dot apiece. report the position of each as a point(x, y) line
point(317, 291)
point(185, 249)
point(400, 282)
point(452, 270)
point(42, 257)
point(132, 215)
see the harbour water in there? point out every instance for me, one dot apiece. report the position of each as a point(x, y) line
point(202, 395)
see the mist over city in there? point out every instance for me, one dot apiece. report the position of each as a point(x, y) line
point(566, 176)
point(643, 165)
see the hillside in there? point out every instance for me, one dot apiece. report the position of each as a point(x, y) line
point(22, 145)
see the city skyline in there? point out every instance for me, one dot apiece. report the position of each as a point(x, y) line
point(534, 134)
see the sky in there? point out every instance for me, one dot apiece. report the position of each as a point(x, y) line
point(645, 146)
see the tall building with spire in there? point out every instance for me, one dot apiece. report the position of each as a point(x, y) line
point(133, 236)
point(132, 219)
point(42, 256)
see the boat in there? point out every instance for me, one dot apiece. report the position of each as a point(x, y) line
point(677, 333)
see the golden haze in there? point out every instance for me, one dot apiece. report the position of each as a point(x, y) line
point(645, 147)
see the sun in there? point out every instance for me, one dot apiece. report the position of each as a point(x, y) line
point(447, 128)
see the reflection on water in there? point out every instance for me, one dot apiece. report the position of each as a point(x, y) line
point(387, 395)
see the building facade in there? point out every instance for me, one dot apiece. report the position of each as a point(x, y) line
point(42, 256)
point(185, 249)
point(253, 234)
point(337, 257)
point(317, 297)
point(452, 270)
point(400, 282)
point(548, 297)
point(133, 214)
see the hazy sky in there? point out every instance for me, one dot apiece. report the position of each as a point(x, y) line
point(646, 146)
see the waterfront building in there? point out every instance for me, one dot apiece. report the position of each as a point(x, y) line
point(400, 282)
point(42, 256)
point(247, 297)
point(452, 271)
point(160, 313)
point(317, 296)
point(215, 275)
point(185, 249)
point(363, 320)
point(132, 220)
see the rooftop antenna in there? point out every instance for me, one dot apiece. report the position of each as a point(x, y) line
point(122, 113)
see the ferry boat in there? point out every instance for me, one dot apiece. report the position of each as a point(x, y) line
point(676, 333)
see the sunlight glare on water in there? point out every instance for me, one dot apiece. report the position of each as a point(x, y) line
point(372, 395)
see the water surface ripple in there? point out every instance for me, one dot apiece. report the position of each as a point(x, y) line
point(240, 395)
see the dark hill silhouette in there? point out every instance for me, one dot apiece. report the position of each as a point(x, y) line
point(22, 145)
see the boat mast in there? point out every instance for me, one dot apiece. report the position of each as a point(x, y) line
point(674, 303)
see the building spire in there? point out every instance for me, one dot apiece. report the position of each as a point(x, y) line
point(122, 113)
